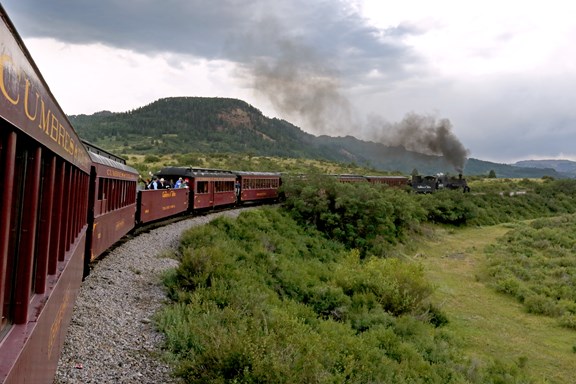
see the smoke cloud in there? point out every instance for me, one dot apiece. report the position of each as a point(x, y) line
point(300, 83)
point(306, 88)
point(423, 134)
point(301, 90)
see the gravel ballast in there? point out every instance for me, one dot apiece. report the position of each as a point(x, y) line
point(111, 338)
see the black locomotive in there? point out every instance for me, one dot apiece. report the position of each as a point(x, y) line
point(431, 184)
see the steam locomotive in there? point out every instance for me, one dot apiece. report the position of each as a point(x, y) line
point(431, 184)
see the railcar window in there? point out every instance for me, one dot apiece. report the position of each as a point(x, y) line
point(7, 158)
point(260, 183)
point(115, 194)
point(100, 189)
point(223, 186)
point(202, 187)
point(37, 224)
point(15, 258)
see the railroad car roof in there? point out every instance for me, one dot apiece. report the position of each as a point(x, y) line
point(386, 177)
point(251, 173)
point(193, 172)
point(350, 177)
point(94, 149)
point(101, 159)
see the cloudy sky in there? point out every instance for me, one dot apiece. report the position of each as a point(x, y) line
point(498, 76)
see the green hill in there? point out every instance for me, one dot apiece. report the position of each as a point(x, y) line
point(567, 167)
point(223, 125)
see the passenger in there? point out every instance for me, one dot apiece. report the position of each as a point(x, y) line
point(162, 184)
point(186, 183)
point(154, 183)
point(146, 183)
point(178, 183)
point(237, 187)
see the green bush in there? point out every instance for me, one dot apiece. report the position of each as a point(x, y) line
point(151, 159)
point(541, 305)
point(534, 263)
point(359, 215)
point(262, 300)
point(449, 207)
point(396, 286)
point(568, 320)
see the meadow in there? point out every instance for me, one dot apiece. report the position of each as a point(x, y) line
point(356, 284)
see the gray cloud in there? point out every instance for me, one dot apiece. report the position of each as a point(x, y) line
point(322, 65)
point(300, 55)
point(217, 29)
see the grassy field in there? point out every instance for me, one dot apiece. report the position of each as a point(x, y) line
point(490, 324)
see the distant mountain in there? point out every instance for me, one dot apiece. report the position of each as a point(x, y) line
point(567, 167)
point(220, 125)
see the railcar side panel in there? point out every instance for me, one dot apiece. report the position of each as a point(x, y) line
point(158, 204)
point(37, 301)
point(113, 204)
point(44, 202)
point(209, 188)
point(109, 228)
point(210, 192)
point(259, 187)
point(351, 179)
point(392, 181)
point(29, 353)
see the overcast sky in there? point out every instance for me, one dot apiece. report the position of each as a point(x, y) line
point(499, 75)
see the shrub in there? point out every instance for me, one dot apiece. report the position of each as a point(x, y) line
point(358, 215)
point(151, 159)
point(568, 320)
point(541, 305)
point(449, 207)
point(534, 263)
point(262, 300)
point(397, 287)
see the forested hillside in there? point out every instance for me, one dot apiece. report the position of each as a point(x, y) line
point(221, 125)
point(198, 124)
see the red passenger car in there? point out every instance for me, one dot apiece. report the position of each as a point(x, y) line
point(43, 206)
point(209, 188)
point(112, 201)
point(351, 178)
point(392, 181)
point(212, 189)
point(158, 204)
point(258, 186)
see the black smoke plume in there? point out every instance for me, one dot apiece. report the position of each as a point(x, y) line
point(424, 134)
point(305, 87)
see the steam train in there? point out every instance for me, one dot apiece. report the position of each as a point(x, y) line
point(63, 203)
point(418, 184)
point(433, 183)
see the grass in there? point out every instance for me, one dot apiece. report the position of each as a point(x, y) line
point(490, 324)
